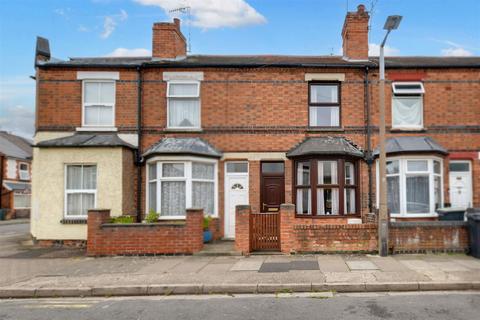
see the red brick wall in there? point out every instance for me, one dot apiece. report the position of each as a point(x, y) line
point(355, 34)
point(139, 239)
point(320, 235)
point(167, 40)
point(242, 229)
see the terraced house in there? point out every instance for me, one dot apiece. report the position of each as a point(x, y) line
point(175, 131)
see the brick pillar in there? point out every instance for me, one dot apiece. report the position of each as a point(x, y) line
point(287, 219)
point(194, 221)
point(242, 228)
point(96, 217)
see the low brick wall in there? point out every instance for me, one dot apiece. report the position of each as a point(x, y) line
point(425, 236)
point(322, 236)
point(179, 237)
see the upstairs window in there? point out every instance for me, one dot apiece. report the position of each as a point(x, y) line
point(407, 105)
point(99, 103)
point(183, 104)
point(324, 104)
point(24, 171)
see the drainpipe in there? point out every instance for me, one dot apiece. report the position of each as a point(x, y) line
point(1, 179)
point(138, 155)
point(368, 155)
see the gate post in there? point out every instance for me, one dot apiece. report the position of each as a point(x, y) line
point(287, 219)
point(242, 228)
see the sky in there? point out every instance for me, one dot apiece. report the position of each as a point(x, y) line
point(86, 28)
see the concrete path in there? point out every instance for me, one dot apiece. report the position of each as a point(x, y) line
point(27, 271)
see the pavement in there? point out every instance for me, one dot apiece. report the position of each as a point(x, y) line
point(35, 272)
point(326, 305)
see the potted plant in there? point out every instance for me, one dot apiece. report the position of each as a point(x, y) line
point(207, 234)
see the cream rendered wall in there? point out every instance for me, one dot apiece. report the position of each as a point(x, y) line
point(48, 180)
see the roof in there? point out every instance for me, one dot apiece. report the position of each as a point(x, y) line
point(412, 145)
point(183, 146)
point(86, 140)
point(15, 146)
point(325, 146)
point(17, 186)
point(264, 61)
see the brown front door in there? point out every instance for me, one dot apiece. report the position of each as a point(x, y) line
point(272, 192)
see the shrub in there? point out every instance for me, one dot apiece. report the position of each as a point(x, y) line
point(122, 219)
point(206, 222)
point(152, 217)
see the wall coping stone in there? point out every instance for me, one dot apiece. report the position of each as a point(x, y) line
point(433, 224)
point(144, 225)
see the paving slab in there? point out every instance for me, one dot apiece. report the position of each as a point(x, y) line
point(247, 265)
point(349, 277)
point(159, 265)
point(190, 265)
point(416, 265)
point(216, 268)
point(332, 263)
point(388, 264)
point(448, 266)
point(394, 276)
point(470, 263)
point(304, 265)
point(360, 265)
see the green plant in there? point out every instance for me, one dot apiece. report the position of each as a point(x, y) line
point(122, 219)
point(206, 222)
point(152, 217)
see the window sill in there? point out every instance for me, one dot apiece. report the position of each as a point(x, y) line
point(183, 130)
point(74, 221)
point(414, 215)
point(325, 129)
point(408, 130)
point(330, 216)
point(97, 129)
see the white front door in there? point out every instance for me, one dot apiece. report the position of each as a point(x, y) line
point(460, 179)
point(236, 193)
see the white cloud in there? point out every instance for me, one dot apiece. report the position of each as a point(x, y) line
point(19, 120)
point(124, 52)
point(456, 52)
point(209, 14)
point(82, 28)
point(374, 50)
point(110, 23)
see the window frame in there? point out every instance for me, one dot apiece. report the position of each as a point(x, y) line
point(27, 171)
point(198, 96)
point(404, 173)
point(404, 94)
point(188, 178)
point(74, 191)
point(325, 104)
point(313, 186)
point(86, 81)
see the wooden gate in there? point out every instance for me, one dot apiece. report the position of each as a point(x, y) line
point(265, 231)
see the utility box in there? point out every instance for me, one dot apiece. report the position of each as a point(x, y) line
point(473, 219)
point(451, 214)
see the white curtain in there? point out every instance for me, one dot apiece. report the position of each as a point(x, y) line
point(418, 194)
point(320, 201)
point(393, 194)
point(349, 173)
point(99, 92)
point(74, 177)
point(334, 201)
point(152, 196)
point(327, 172)
point(173, 170)
point(183, 89)
point(173, 198)
point(407, 111)
point(349, 202)
point(89, 177)
point(98, 115)
point(303, 173)
point(74, 204)
point(184, 112)
point(304, 201)
point(324, 116)
point(203, 196)
point(323, 94)
point(334, 116)
point(203, 171)
point(21, 201)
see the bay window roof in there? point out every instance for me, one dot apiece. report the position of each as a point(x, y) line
point(412, 145)
point(86, 140)
point(325, 146)
point(183, 146)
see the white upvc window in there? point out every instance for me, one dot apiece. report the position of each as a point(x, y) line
point(80, 189)
point(21, 201)
point(98, 103)
point(24, 171)
point(407, 105)
point(187, 182)
point(183, 104)
point(414, 186)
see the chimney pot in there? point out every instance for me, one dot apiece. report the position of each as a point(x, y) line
point(361, 8)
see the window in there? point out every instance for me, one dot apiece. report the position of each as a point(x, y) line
point(237, 167)
point(407, 105)
point(334, 185)
point(24, 171)
point(21, 201)
point(99, 103)
point(174, 186)
point(183, 104)
point(414, 186)
point(80, 190)
point(324, 104)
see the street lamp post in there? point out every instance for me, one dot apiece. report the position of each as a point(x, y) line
point(392, 23)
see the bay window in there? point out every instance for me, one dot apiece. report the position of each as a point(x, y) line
point(326, 187)
point(175, 185)
point(80, 190)
point(324, 104)
point(407, 105)
point(183, 104)
point(414, 185)
point(98, 103)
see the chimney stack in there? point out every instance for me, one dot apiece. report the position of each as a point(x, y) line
point(42, 50)
point(168, 41)
point(355, 34)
